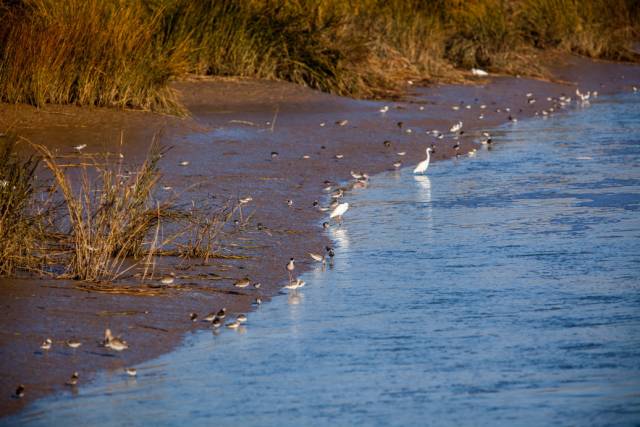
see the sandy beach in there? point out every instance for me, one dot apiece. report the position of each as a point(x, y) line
point(234, 127)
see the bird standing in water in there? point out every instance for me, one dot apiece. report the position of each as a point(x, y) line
point(73, 380)
point(290, 267)
point(423, 165)
point(339, 211)
point(330, 254)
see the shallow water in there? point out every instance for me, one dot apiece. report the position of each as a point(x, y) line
point(501, 289)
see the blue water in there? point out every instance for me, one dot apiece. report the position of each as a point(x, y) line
point(503, 289)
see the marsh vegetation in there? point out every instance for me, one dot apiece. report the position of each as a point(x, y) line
point(125, 53)
point(88, 217)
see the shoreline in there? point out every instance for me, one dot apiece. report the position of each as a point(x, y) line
point(243, 166)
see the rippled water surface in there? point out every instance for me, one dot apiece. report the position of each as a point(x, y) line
point(502, 289)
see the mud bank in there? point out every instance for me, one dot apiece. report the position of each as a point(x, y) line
point(235, 127)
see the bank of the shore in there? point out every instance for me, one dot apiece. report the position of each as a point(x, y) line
point(235, 125)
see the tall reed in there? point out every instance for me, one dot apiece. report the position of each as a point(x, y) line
point(109, 212)
point(20, 229)
point(124, 53)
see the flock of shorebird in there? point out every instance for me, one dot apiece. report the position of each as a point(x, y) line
point(109, 342)
point(336, 211)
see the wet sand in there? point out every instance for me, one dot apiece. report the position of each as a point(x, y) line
point(228, 141)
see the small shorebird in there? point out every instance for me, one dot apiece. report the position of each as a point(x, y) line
point(342, 122)
point(257, 301)
point(184, 163)
point(245, 200)
point(193, 316)
point(401, 153)
point(339, 211)
point(114, 343)
point(289, 202)
point(73, 380)
point(359, 175)
point(217, 322)
point(168, 279)
point(316, 257)
point(222, 313)
point(339, 156)
point(295, 285)
point(242, 283)
point(132, 372)
point(80, 147)
point(397, 164)
point(117, 344)
point(387, 143)
point(209, 317)
point(274, 154)
point(107, 337)
point(423, 165)
point(242, 318)
point(325, 225)
point(478, 72)
point(330, 254)
point(73, 343)
point(19, 393)
point(233, 325)
point(290, 267)
point(46, 344)
point(384, 109)
point(456, 127)
point(257, 285)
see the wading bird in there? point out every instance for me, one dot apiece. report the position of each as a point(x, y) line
point(423, 165)
point(339, 211)
point(290, 267)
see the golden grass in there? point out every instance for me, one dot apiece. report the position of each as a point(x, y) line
point(109, 212)
point(20, 221)
point(95, 220)
point(123, 53)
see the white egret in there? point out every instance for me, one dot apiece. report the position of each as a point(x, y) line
point(423, 165)
point(478, 72)
point(339, 211)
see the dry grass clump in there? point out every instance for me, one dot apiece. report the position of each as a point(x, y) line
point(109, 212)
point(19, 220)
point(124, 52)
point(96, 221)
point(204, 231)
